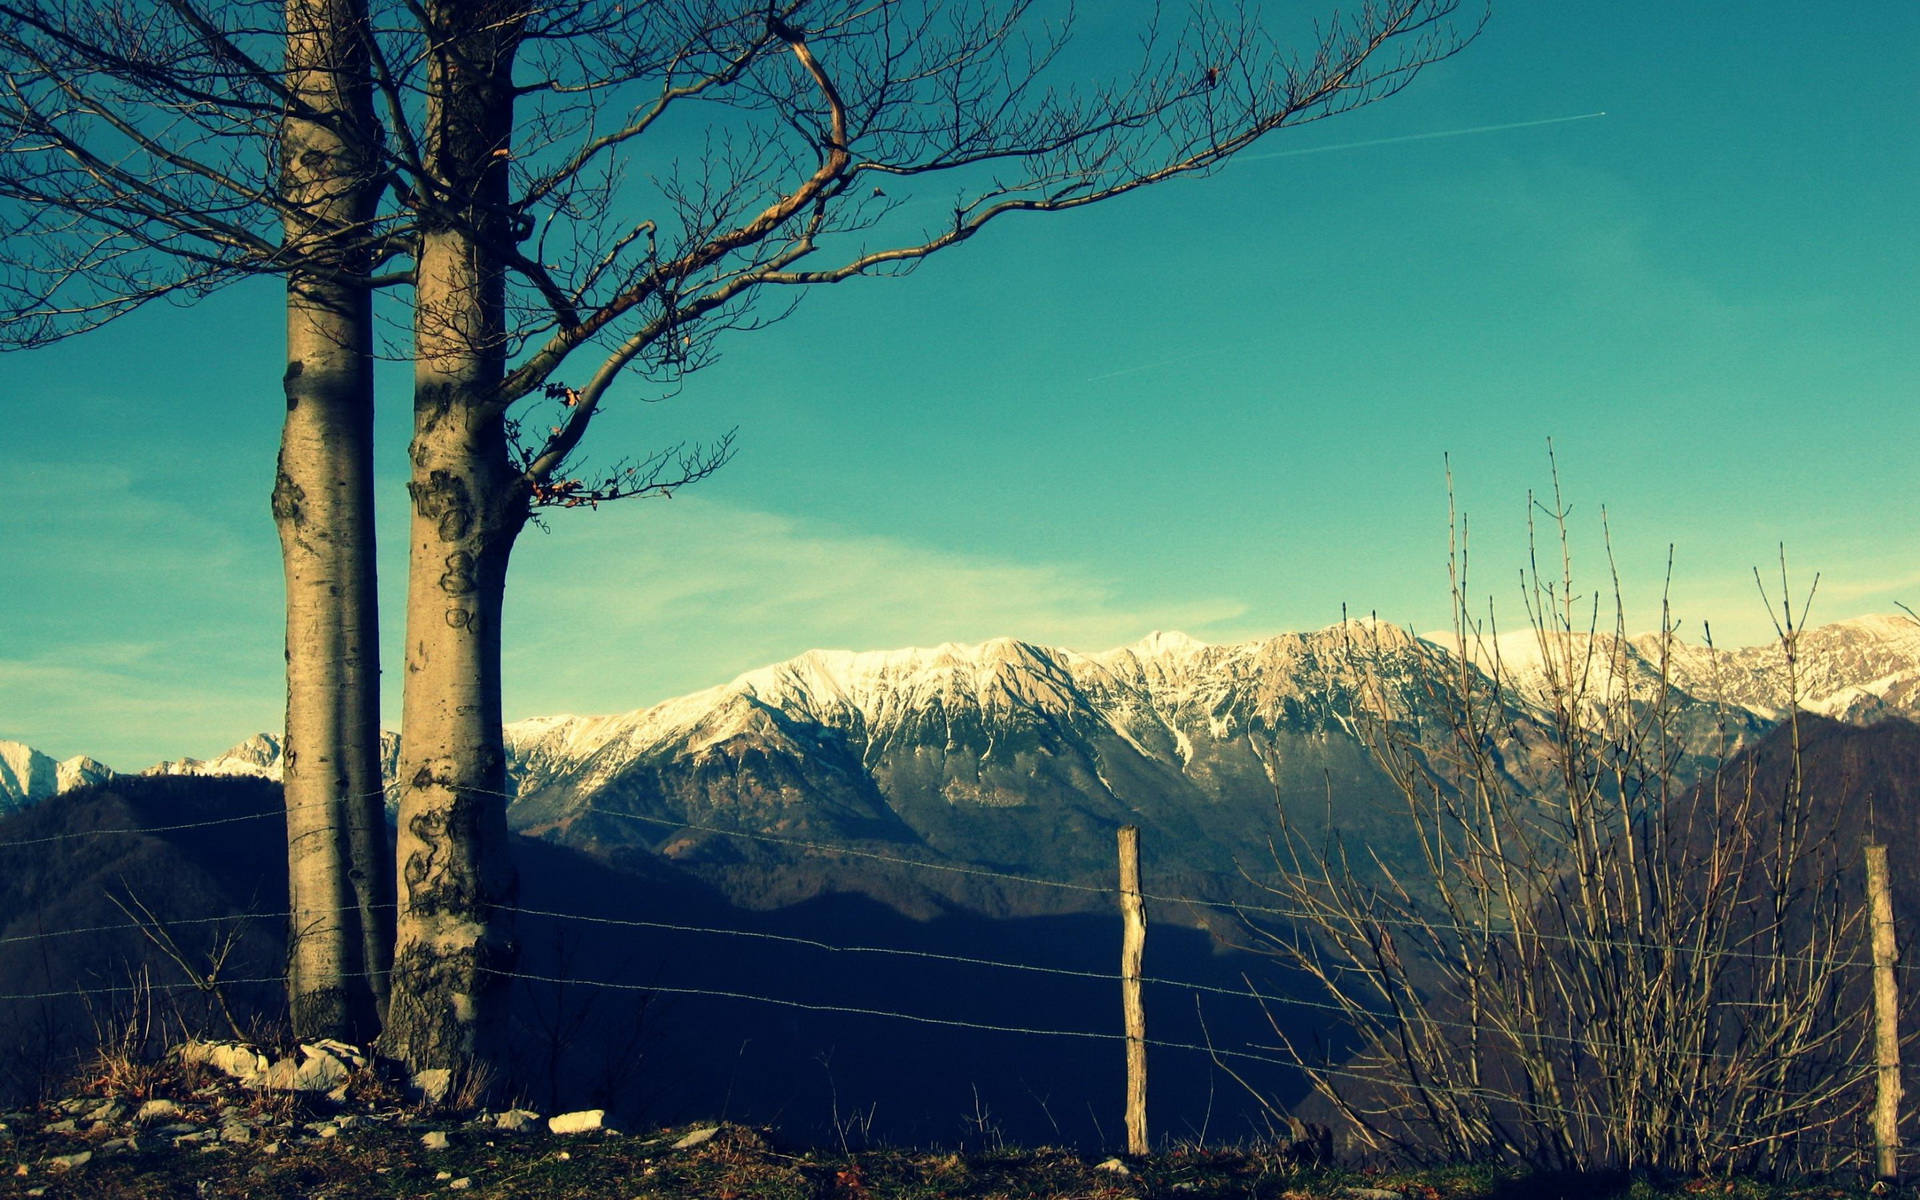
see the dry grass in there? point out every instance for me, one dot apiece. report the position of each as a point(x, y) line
point(741, 1164)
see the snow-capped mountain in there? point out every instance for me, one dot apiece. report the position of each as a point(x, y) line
point(28, 776)
point(261, 755)
point(1026, 756)
point(258, 755)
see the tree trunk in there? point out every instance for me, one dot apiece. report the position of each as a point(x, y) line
point(339, 879)
point(455, 869)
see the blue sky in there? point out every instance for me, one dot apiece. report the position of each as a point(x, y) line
point(1220, 406)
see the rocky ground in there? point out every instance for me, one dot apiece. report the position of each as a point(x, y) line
point(224, 1120)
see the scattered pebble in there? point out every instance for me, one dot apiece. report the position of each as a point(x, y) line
point(436, 1140)
point(461, 1184)
point(442, 1176)
point(696, 1138)
point(1114, 1165)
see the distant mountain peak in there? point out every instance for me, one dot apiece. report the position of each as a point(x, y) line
point(27, 776)
point(1168, 643)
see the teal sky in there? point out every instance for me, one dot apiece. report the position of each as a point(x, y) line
point(1219, 406)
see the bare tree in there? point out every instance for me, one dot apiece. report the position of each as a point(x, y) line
point(545, 271)
point(479, 151)
point(161, 152)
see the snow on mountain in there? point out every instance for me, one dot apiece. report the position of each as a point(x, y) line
point(258, 755)
point(27, 776)
point(984, 723)
point(920, 745)
point(261, 755)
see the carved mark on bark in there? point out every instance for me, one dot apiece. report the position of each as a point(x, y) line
point(294, 370)
point(289, 499)
point(463, 618)
point(444, 500)
point(458, 578)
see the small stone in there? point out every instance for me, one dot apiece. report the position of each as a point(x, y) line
point(697, 1137)
point(1114, 1165)
point(195, 1139)
point(176, 1129)
point(517, 1120)
point(116, 1145)
point(237, 1132)
point(67, 1162)
point(156, 1110)
point(442, 1176)
point(461, 1184)
point(106, 1110)
point(436, 1140)
point(66, 1126)
point(584, 1121)
point(271, 1148)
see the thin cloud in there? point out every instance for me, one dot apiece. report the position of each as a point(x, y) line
point(629, 608)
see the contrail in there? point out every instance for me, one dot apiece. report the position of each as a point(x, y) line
point(1416, 137)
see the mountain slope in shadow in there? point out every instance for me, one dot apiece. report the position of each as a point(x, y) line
point(648, 991)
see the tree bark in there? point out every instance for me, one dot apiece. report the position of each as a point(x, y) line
point(339, 874)
point(455, 940)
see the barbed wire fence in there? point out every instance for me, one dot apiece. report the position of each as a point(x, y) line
point(1823, 1135)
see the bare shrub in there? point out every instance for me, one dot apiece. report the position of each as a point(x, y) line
point(1598, 955)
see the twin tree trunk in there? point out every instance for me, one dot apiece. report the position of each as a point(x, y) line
point(338, 868)
point(456, 878)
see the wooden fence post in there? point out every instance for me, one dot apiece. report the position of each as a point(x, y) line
point(1886, 1014)
point(1133, 945)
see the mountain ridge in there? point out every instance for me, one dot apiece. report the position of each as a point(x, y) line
point(917, 748)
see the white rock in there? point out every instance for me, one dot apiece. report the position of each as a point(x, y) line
point(437, 1140)
point(1114, 1165)
point(697, 1137)
point(350, 1055)
point(156, 1110)
point(516, 1120)
point(585, 1121)
point(67, 1162)
point(461, 1184)
point(433, 1085)
point(236, 1059)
